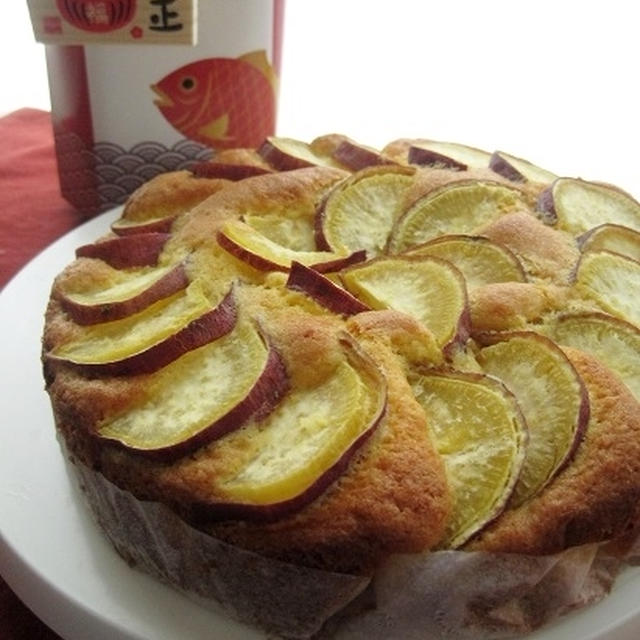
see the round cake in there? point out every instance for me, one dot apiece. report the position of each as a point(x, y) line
point(291, 378)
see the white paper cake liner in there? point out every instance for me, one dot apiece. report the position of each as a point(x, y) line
point(275, 596)
point(433, 596)
point(449, 594)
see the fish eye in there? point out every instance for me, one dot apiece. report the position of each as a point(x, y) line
point(188, 83)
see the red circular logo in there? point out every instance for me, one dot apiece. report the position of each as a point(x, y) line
point(97, 16)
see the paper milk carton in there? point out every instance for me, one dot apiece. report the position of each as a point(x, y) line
point(139, 87)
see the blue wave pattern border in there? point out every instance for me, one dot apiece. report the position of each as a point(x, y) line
point(105, 175)
point(120, 172)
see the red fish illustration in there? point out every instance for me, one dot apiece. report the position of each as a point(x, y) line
point(221, 102)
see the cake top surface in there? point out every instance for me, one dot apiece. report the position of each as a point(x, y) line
point(328, 353)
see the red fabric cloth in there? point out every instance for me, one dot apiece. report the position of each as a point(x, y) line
point(17, 622)
point(33, 213)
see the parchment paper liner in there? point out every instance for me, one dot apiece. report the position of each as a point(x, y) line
point(432, 596)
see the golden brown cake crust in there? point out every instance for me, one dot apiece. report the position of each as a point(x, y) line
point(546, 253)
point(505, 306)
point(247, 157)
point(170, 193)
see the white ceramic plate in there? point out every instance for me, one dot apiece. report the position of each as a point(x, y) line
point(51, 552)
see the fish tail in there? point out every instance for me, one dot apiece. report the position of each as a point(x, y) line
point(258, 60)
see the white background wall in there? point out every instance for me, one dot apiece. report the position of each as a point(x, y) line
point(552, 80)
point(23, 75)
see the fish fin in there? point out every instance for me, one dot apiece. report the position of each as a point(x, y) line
point(258, 59)
point(216, 129)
